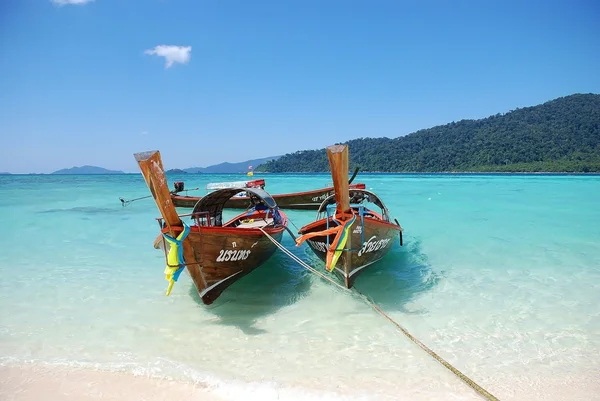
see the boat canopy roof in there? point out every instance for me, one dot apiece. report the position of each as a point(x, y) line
point(236, 184)
point(357, 196)
point(214, 202)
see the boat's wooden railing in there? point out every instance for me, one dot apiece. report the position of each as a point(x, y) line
point(205, 222)
point(202, 219)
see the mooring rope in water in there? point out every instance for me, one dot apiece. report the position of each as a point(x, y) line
point(483, 392)
point(300, 261)
point(480, 390)
point(295, 227)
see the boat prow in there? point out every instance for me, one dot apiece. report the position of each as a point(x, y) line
point(347, 234)
point(215, 253)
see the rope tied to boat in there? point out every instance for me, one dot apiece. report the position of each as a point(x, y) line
point(300, 261)
point(480, 390)
point(342, 233)
point(483, 392)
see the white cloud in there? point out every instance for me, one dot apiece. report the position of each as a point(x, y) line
point(172, 54)
point(65, 2)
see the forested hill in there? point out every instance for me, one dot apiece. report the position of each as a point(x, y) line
point(559, 135)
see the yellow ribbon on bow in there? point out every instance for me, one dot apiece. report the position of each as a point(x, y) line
point(175, 260)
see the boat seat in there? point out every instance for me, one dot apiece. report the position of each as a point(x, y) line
point(256, 223)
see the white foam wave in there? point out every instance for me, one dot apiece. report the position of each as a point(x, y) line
point(163, 369)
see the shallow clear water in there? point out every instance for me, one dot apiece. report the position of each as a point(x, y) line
point(500, 275)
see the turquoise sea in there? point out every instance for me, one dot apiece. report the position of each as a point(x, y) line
point(499, 274)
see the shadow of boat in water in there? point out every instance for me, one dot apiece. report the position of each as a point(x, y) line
point(394, 281)
point(278, 283)
point(91, 210)
point(399, 278)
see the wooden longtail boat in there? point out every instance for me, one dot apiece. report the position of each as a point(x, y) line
point(346, 234)
point(215, 253)
point(308, 200)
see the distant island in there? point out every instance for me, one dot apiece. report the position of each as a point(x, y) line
point(221, 168)
point(558, 136)
point(562, 135)
point(5, 173)
point(230, 168)
point(87, 170)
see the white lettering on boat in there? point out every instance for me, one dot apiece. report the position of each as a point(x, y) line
point(229, 255)
point(373, 245)
point(322, 197)
point(317, 245)
point(357, 230)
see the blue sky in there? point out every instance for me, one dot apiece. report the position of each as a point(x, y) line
point(236, 80)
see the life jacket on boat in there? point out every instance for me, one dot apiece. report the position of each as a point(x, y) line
point(175, 260)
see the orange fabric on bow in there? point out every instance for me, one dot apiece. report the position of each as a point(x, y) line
point(342, 233)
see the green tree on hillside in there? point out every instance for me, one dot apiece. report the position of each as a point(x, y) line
point(559, 135)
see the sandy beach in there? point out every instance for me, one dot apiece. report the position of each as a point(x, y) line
point(33, 383)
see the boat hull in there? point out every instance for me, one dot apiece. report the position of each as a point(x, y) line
point(309, 200)
point(216, 254)
point(221, 256)
point(379, 237)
